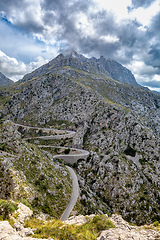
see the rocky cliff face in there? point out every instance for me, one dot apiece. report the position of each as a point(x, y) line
point(117, 71)
point(4, 81)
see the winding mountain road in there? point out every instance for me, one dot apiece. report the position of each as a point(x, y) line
point(68, 158)
point(75, 195)
point(71, 157)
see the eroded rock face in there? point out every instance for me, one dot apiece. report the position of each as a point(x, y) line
point(117, 71)
point(124, 231)
point(9, 233)
point(17, 232)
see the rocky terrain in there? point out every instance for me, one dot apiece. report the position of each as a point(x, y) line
point(30, 175)
point(119, 124)
point(120, 230)
point(4, 81)
point(17, 231)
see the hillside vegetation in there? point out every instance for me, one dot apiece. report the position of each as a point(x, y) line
point(117, 123)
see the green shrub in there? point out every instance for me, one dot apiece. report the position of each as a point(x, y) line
point(156, 223)
point(40, 132)
point(25, 202)
point(3, 146)
point(57, 230)
point(67, 151)
point(142, 161)
point(130, 151)
point(7, 208)
point(99, 223)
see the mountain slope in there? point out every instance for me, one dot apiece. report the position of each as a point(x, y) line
point(119, 124)
point(122, 171)
point(102, 66)
point(4, 81)
point(117, 71)
point(30, 175)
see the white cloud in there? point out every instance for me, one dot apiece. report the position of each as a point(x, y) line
point(144, 15)
point(84, 25)
point(16, 69)
point(31, 12)
point(109, 39)
point(153, 88)
point(157, 77)
point(119, 8)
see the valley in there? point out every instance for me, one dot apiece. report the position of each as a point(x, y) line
point(108, 129)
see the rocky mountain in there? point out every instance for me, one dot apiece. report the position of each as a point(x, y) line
point(117, 71)
point(119, 124)
point(4, 81)
point(101, 66)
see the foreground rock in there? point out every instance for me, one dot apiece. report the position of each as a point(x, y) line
point(17, 232)
point(24, 212)
point(124, 231)
point(8, 233)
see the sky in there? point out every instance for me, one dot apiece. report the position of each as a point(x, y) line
point(32, 32)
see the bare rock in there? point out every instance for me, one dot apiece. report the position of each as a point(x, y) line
point(79, 220)
point(24, 212)
point(124, 231)
point(8, 233)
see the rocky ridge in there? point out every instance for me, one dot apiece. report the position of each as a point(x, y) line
point(124, 231)
point(103, 66)
point(4, 81)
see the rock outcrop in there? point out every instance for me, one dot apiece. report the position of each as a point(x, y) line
point(9, 233)
point(117, 71)
point(124, 231)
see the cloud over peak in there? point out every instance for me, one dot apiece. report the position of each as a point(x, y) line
point(39, 28)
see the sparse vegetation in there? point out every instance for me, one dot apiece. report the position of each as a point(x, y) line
point(7, 207)
point(116, 122)
point(56, 229)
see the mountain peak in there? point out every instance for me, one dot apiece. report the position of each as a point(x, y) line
point(71, 53)
point(103, 66)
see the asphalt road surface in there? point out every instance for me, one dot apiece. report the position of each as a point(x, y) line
point(74, 197)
